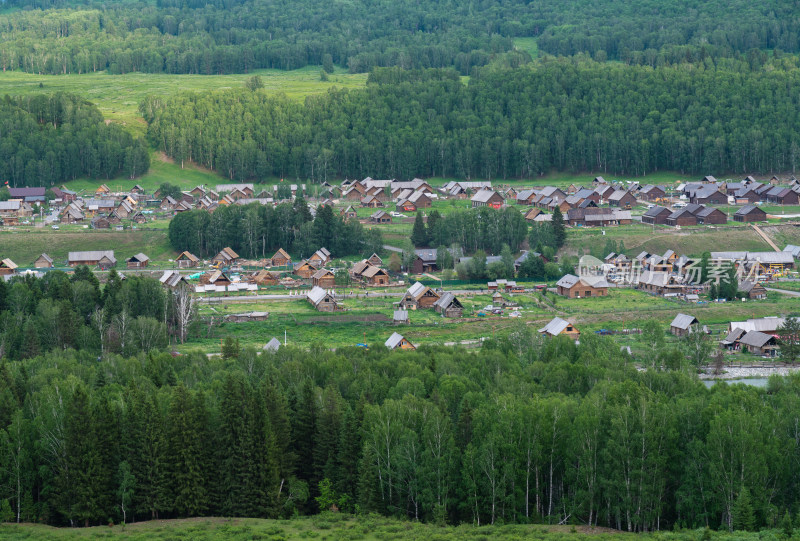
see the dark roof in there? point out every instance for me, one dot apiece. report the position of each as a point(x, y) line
point(747, 209)
point(26, 192)
point(655, 211)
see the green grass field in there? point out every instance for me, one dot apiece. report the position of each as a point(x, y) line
point(335, 526)
point(689, 241)
point(23, 247)
point(162, 169)
point(118, 96)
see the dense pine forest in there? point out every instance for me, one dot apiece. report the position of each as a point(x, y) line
point(518, 431)
point(564, 115)
point(228, 36)
point(46, 139)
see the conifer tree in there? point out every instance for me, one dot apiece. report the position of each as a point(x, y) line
point(185, 455)
point(419, 235)
point(559, 230)
point(742, 515)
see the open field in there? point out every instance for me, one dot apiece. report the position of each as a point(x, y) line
point(689, 241)
point(369, 320)
point(162, 169)
point(24, 247)
point(118, 96)
point(328, 526)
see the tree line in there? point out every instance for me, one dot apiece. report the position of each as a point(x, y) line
point(236, 36)
point(506, 123)
point(523, 430)
point(58, 312)
point(53, 138)
point(256, 231)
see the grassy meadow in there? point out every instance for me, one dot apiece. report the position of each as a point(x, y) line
point(23, 247)
point(118, 96)
point(370, 320)
point(334, 527)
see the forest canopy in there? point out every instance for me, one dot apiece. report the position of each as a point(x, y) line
point(519, 431)
point(236, 36)
point(506, 123)
point(46, 139)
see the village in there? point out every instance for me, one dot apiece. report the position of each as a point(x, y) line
point(269, 292)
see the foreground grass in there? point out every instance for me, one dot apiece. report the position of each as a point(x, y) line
point(331, 526)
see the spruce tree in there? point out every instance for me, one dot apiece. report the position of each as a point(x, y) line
point(742, 515)
point(74, 484)
point(559, 230)
point(419, 235)
point(304, 428)
point(186, 456)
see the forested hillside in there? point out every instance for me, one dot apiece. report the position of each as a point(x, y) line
point(518, 431)
point(228, 36)
point(564, 115)
point(46, 139)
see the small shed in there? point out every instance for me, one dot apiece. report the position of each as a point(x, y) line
point(305, 270)
point(380, 217)
point(281, 258)
point(322, 300)
point(558, 326)
point(754, 290)
point(323, 278)
point(448, 305)
point(187, 260)
point(7, 267)
point(683, 324)
point(226, 256)
point(44, 261)
point(273, 345)
point(750, 213)
point(139, 261)
point(397, 341)
point(400, 317)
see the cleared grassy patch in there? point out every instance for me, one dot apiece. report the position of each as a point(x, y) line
point(118, 96)
point(23, 247)
point(162, 169)
point(690, 241)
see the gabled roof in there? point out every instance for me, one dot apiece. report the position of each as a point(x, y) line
point(555, 327)
point(379, 214)
point(416, 290)
point(747, 209)
point(171, 278)
point(316, 295)
point(140, 257)
point(281, 252)
point(484, 195)
point(756, 339)
point(394, 340)
point(46, 258)
point(8, 264)
point(792, 249)
point(272, 345)
point(734, 335)
point(567, 281)
point(759, 324)
point(321, 273)
point(189, 256)
point(427, 255)
point(95, 255)
point(683, 321)
point(446, 300)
